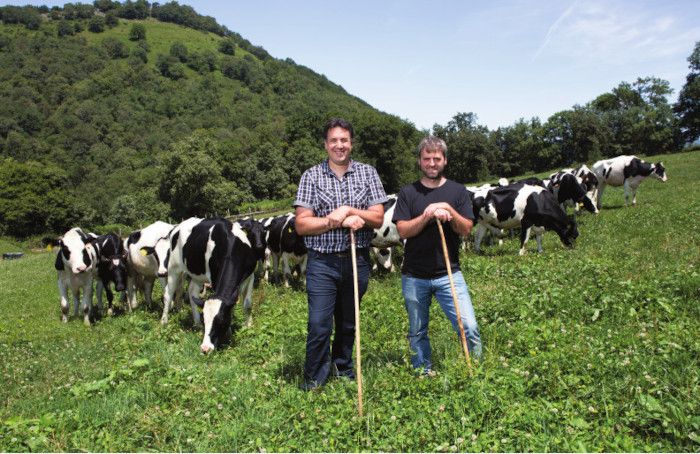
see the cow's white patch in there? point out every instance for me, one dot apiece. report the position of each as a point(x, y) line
point(211, 309)
point(239, 233)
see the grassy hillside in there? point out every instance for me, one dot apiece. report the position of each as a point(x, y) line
point(590, 349)
point(118, 125)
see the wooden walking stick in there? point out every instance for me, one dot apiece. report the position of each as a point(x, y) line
point(454, 294)
point(357, 321)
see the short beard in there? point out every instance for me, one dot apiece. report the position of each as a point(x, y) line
point(438, 177)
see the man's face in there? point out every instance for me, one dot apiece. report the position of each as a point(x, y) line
point(338, 145)
point(432, 163)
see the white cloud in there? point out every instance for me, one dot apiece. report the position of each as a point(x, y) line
point(591, 32)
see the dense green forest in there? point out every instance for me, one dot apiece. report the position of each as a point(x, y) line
point(123, 113)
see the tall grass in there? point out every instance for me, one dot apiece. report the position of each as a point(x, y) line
point(593, 349)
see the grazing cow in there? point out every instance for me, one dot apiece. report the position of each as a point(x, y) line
point(570, 191)
point(627, 171)
point(284, 242)
point(386, 237)
point(111, 267)
point(147, 259)
point(75, 262)
point(222, 254)
point(532, 208)
point(587, 179)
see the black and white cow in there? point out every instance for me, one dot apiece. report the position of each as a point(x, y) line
point(587, 179)
point(222, 254)
point(76, 262)
point(283, 242)
point(570, 191)
point(532, 208)
point(147, 259)
point(386, 237)
point(627, 171)
point(111, 268)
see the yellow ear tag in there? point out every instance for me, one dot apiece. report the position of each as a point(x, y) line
point(144, 252)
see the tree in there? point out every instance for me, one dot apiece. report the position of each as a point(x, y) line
point(97, 24)
point(115, 48)
point(688, 106)
point(64, 28)
point(192, 183)
point(137, 32)
point(111, 19)
point(469, 151)
point(179, 51)
point(34, 198)
point(227, 46)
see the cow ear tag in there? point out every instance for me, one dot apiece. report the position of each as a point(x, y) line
point(143, 252)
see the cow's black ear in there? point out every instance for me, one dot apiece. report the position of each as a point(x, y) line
point(147, 250)
point(198, 302)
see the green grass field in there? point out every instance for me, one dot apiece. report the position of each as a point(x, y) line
point(591, 349)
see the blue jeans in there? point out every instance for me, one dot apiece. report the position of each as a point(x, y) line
point(418, 294)
point(329, 287)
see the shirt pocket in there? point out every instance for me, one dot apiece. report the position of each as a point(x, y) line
point(326, 200)
point(360, 196)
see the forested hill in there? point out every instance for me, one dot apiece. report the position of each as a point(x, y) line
point(105, 119)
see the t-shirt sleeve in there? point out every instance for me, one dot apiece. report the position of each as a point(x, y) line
point(402, 211)
point(377, 194)
point(305, 193)
point(464, 204)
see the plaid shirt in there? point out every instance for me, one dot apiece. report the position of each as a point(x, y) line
point(321, 191)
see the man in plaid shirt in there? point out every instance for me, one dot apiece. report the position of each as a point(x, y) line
point(333, 197)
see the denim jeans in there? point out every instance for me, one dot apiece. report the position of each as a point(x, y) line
point(418, 295)
point(329, 287)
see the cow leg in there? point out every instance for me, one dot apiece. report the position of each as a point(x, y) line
point(539, 232)
point(110, 299)
point(148, 291)
point(627, 191)
point(76, 302)
point(194, 290)
point(480, 232)
point(599, 195)
point(633, 189)
point(168, 295)
point(131, 292)
point(275, 266)
point(302, 267)
point(524, 236)
point(87, 302)
point(99, 289)
point(287, 272)
point(65, 304)
point(247, 289)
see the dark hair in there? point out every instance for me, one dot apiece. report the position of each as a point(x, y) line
point(337, 123)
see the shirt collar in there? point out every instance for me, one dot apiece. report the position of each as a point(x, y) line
point(327, 168)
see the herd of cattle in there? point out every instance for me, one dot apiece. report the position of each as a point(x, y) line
point(219, 257)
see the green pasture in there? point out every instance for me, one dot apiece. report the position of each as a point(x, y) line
point(591, 349)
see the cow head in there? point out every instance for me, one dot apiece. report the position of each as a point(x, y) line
point(216, 315)
point(292, 239)
point(569, 235)
point(160, 253)
point(77, 251)
point(254, 231)
point(659, 171)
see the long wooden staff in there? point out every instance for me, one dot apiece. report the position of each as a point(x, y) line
point(357, 321)
point(454, 294)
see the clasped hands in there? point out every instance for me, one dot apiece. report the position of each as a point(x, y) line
point(341, 217)
point(439, 210)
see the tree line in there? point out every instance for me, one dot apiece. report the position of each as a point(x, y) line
point(100, 124)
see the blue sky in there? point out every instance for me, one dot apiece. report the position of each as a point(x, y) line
point(503, 60)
